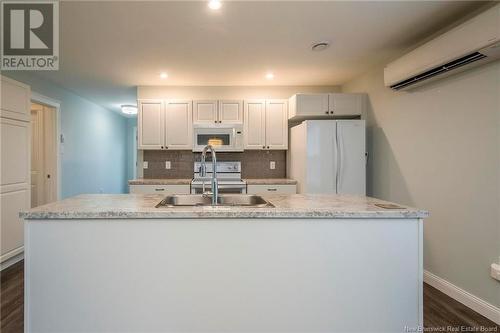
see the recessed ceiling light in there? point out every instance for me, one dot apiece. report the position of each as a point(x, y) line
point(163, 75)
point(214, 4)
point(129, 109)
point(269, 76)
point(320, 46)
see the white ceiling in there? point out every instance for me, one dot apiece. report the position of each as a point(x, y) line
point(109, 48)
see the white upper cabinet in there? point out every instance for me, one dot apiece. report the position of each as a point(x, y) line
point(345, 104)
point(178, 125)
point(266, 124)
point(255, 124)
point(317, 106)
point(309, 105)
point(277, 124)
point(231, 111)
point(15, 101)
point(217, 112)
point(151, 127)
point(205, 112)
point(165, 125)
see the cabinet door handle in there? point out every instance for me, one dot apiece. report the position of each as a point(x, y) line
point(263, 147)
point(159, 189)
point(267, 147)
point(327, 112)
point(272, 189)
point(166, 147)
point(331, 112)
point(161, 147)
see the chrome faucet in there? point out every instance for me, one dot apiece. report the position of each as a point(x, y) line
point(203, 173)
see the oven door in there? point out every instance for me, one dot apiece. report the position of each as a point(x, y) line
point(223, 188)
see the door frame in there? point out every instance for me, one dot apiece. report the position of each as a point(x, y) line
point(42, 99)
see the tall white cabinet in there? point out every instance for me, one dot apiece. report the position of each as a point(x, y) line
point(165, 124)
point(15, 194)
point(266, 124)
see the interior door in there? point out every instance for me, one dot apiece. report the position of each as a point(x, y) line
point(50, 153)
point(37, 156)
point(321, 150)
point(179, 125)
point(277, 124)
point(205, 112)
point(352, 157)
point(231, 111)
point(255, 122)
point(151, 124)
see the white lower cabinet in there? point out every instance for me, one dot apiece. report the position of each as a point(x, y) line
point(160, 189)
point(281, 189)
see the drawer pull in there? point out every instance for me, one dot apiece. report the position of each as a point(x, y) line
point(272, 189)
point(159, 189)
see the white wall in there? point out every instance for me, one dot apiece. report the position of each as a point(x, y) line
point(438, 148)
point(226, 92)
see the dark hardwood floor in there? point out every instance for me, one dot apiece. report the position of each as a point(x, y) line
point(440, 311)
point(11, 299)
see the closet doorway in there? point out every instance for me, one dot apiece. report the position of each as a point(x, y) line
point(43, 154)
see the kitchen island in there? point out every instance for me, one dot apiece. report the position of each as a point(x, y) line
point(312, 263)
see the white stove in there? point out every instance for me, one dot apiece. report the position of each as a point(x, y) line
point(228, 176)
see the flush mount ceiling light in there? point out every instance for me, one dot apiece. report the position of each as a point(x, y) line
point(320, 46)
point(129, 109)
point(163, 75)
point(269, 76)
point(214, 4)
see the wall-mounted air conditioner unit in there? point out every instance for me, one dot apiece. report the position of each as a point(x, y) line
point(474, 42)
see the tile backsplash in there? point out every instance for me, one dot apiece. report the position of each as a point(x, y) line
point(254, 163)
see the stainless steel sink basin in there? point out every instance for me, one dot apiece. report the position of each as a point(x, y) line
point(245, 200)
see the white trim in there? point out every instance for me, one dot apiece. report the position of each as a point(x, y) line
point(12, 257)
point(39, 98)
point(475, 303)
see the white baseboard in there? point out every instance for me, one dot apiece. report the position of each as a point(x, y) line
point(475, 303)
point(11, 258)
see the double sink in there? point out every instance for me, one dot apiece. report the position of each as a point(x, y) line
point(239, 200)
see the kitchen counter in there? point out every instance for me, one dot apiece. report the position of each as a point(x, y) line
point(270, 181)
point(186, 181)
point(142, 206)
point(311, 264)
point(160, 181)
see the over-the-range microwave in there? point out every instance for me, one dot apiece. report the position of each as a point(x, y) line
point(223, 137)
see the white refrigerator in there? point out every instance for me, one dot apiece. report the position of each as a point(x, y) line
point(328, 156)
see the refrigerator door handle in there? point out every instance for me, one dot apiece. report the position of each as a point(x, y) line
point(339, 158)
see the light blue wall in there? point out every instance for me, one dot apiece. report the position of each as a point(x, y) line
point(95, 141)
point(131, 147)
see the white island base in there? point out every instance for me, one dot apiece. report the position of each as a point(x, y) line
point(223, 275)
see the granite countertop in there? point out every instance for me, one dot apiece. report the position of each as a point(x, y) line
point(142, 206)
point(160, 181)
point(270, 181)
point(186, 181)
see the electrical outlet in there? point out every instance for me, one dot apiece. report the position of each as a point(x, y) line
point(272, 165)
point(145, 164)
point(495, 271)
point(168, 165)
